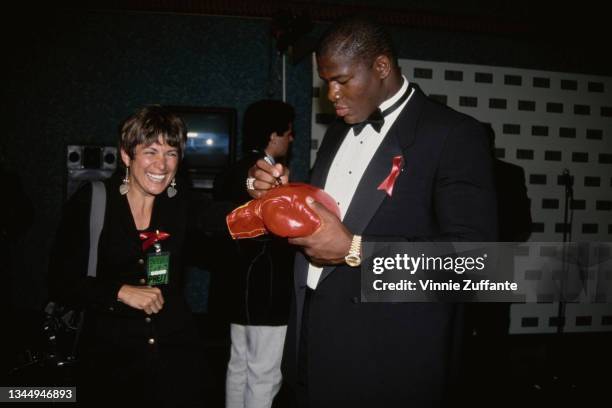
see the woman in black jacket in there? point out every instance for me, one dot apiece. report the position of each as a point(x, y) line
point(139, 343)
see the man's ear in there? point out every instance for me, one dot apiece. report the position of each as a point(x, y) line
point(125, 158)
point(382, 65)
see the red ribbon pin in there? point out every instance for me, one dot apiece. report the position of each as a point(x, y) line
point(152, 237)
point(389, 182)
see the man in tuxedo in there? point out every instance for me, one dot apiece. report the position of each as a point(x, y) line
point(340, 351)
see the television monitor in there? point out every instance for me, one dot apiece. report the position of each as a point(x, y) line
point(211, 141)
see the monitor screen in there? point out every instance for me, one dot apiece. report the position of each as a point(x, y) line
point(210, 138)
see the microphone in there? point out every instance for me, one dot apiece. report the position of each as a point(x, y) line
point(568, 181)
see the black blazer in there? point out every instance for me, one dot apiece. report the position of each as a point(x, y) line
point(395, 354)
point(513, 204)
point(258, 271)
point(121, 260)
point(131, 356)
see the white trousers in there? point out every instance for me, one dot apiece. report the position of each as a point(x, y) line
point(253, 372)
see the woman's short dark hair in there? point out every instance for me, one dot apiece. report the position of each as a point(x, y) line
point(261, 119)
point(147, 125)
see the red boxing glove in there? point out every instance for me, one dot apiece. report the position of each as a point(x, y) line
point(283, 211)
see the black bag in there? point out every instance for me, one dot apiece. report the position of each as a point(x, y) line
point(62, 324)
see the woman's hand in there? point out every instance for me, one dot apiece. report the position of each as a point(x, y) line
point(145, 298)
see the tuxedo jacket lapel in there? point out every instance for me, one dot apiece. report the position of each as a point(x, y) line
point(367, 198)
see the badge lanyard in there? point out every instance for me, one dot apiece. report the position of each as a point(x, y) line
point(158, 262)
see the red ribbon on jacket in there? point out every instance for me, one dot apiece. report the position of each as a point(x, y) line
point(152, 237)
point(389, 182)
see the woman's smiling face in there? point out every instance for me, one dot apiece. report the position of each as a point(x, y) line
point(152, 168)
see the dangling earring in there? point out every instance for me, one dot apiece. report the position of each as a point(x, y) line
point(125, 185)
point(172, 190)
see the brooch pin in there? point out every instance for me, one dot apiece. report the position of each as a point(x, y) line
point(150, 238)
point(389, 182)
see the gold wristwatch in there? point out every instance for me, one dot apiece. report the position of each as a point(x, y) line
point(353, 258)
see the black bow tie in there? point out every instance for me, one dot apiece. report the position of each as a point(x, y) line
point(377, 118)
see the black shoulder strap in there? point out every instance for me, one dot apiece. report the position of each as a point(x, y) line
point(96, 222)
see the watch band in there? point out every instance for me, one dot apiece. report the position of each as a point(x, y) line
point(353, 258)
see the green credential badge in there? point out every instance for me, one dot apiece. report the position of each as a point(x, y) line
point(158, 268)
point(158, 263)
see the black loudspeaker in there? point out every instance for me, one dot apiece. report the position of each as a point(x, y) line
point(88, 163)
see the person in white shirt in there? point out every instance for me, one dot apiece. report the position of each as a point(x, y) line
point(402, 167)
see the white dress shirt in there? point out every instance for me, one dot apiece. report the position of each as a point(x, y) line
point(351, 161)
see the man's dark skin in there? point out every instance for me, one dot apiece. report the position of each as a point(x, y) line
point(356, 88)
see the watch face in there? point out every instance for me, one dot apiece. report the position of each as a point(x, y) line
point(352, 260)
